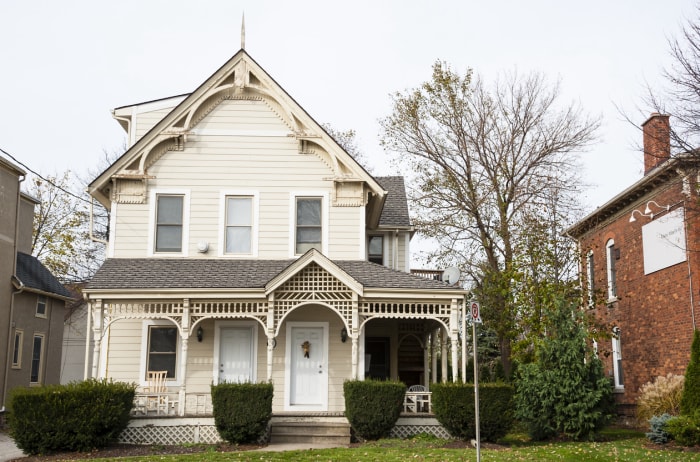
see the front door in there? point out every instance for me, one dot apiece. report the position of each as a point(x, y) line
point(308, 371)
point(236, 355)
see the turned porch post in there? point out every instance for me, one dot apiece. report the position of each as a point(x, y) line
point(98, 323)
point(270, 334)
point(355, 335)
point(185, 337)
point(454, 339)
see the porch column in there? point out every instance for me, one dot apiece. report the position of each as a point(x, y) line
point(454, 339)
point(271, 342)
point(88, 329)
point(443, 353)
point(355, 335)
point(98, 322)
point(185, 338)
point(433, 351)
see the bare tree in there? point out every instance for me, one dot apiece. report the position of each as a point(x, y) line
point(680, 96)
point(484, 160)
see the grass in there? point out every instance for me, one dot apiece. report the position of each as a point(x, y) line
point(615, 445)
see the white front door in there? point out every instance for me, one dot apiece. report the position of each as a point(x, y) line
point(236, 355)
point(308, 366)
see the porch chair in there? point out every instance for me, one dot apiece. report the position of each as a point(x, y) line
point(156, 392)
point(422, 402)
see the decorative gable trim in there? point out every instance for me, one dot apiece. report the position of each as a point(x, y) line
point(313, 256)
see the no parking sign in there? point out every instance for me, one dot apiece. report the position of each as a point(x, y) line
point(476, 312)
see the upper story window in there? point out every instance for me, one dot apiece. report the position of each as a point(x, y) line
point(590, 273)
point(239, 225)
point(611, 255)
point(169, 222)
point(309, 219)
point(17, 349)
point(375, 249)
point(41, 306)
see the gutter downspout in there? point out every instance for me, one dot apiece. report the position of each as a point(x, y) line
point(12, 298)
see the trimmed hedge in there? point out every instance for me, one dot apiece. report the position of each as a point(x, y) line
point(372, 407)
point(242, 410)
point(79, 416)
point(453, 404)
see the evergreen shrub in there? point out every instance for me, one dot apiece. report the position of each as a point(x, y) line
point(684, 429)
point(658, 433)
point(79, 416)
point(242, 411)
point(372, 407)
point(453, 404)
point(690, 401)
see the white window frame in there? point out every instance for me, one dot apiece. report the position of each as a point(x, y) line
point(617, 359)
point(325, 219)
point(612, 271)
point(42, 300)
point(590, 273)
point(145, 326)
point(253, 325)
point(42, 353)
point(17, 344)
point(255, 195)
point(152, 210)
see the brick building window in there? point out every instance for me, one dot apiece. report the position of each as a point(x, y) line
point(590, 271)
point(617, 359)
point(611, 255)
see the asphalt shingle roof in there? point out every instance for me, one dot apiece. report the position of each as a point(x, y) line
point(154, 273)
point(36, 276)
point(395, 212)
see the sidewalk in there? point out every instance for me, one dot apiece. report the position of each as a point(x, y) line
point(8, 449)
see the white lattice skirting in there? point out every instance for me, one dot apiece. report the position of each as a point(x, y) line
point(202, 430)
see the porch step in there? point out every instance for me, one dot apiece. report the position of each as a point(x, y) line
point(310, 432)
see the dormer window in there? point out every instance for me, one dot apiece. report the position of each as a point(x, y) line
point(375, 249)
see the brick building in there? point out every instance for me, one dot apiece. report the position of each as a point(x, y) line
point(640, 257)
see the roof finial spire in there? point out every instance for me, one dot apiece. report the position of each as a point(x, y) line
point(243, 32)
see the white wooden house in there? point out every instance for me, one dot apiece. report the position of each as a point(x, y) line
point(246, 245)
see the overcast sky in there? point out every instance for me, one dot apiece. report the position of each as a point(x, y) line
point(65, 65)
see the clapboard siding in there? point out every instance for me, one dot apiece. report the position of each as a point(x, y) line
point(146, 120)
point(270, 166)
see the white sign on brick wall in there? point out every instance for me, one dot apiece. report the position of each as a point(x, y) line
point(664, 241)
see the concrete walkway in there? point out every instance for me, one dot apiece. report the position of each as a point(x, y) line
point(8, 448)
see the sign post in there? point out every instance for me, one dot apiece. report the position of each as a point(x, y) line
point(476, 319)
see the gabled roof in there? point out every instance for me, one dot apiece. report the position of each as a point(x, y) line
point(212, 274)
point(35, 277)
point(240, 75)
point(395, 211)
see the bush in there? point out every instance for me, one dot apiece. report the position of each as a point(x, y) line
point(662, 396)
point(565, 391)
point(372, 407)
point(658, 433)
point(242, 410)
point(79, 416)
point(690, 401)
point(453, 404)
point(684, 429)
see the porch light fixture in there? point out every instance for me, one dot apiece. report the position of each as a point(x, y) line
point(343, 335)
point(647, 211)
point(200, 334)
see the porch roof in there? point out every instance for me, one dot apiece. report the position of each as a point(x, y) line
point(154, 273)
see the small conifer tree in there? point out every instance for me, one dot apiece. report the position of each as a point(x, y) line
point(690, 401)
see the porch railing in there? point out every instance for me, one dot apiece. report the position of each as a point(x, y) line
point(417, 402)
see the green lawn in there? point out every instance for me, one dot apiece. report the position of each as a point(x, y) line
point(615, 446)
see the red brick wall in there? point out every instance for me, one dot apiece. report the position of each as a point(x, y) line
point(653, 311)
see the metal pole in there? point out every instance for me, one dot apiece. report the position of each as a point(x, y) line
point(476, 394)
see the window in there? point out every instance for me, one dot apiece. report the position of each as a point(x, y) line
point(239, 225)
point(17, 349)
point(308, 224)
point(41, 306)
point(169, 223)
point(35, 375)
point(162, 349)
point(375, 249)
point(611, 254)
point(591, 278)
point(617, 359)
